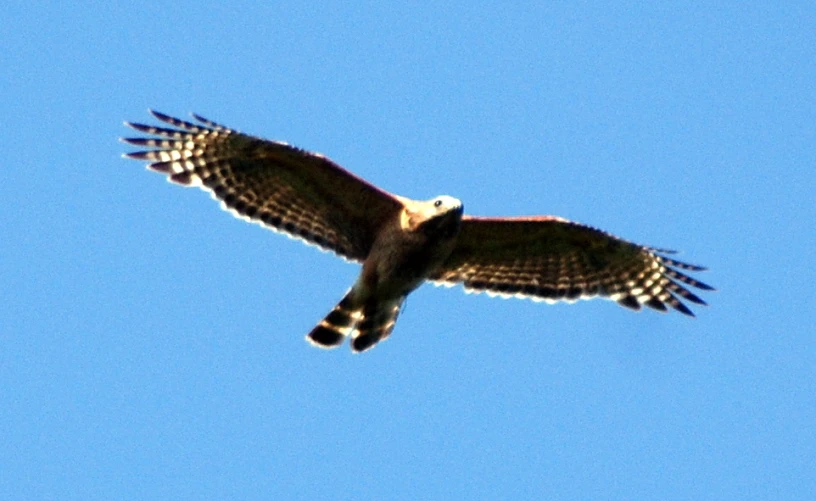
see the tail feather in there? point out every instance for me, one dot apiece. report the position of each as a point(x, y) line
point(338, 324)
point(366, 325)
point(376, 325)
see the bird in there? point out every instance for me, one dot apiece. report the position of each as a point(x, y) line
point(402, 243)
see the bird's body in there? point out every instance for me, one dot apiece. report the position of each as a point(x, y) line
point(402, 243)
point(412, 245)
point(409, 248)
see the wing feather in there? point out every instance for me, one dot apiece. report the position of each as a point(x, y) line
point(552, 259)
point(304, 195)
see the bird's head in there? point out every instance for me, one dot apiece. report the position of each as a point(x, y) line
point(438, 216)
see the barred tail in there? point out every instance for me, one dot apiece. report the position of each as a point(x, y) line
point(376, 324)
point(367, 325)
point(338, 324)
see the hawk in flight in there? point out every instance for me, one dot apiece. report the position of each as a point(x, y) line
point(400, 242)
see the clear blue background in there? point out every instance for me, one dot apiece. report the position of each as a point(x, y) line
point(151, 346)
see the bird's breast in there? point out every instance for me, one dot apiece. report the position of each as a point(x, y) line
point(400, 261)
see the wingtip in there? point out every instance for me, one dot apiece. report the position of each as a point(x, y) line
point(201, 120)
point(132, 125)
point(159, 115)
point(659, 250)
point(682, 308)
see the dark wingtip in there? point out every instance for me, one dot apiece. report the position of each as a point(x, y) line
point(683, 266)
point(138, 155)
point(159, 115)
point(147, 129)
point(662, 251)
point(685, 293)
point(134, 155)
point(683, 309)
point(678, 305)
point(209, 123)
point(202, 119)
point(138, 141)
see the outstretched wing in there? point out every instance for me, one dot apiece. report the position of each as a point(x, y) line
point(302, 194)
point(552, 259)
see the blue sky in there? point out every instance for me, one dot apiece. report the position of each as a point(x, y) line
point(151, 346)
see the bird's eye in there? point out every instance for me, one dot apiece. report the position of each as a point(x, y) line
point(438, 203)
